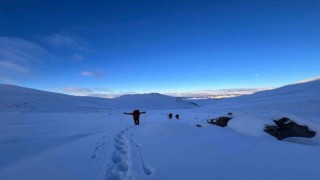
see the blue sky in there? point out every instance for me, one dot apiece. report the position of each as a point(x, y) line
point(115, 47)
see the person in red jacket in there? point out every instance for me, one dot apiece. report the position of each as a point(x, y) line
point(136, 116)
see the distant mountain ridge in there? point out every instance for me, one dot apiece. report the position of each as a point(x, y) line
point(15, 98)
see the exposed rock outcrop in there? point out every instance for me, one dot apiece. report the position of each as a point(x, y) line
point(220, 121)
point(287, 128)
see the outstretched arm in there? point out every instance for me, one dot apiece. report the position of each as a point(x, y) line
point(142, 112)
point(128, 113)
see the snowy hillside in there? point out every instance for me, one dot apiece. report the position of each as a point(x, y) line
point(300, 98)
point(296, 91)
point(152, 101)
point(19, 99)
point(105, 145)
point(300, 102)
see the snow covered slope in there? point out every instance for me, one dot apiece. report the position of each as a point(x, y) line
point(19, 99)
point(301, 98)
point(79, 143)
point(299, 102)
point(152, 101)
point(310, 89)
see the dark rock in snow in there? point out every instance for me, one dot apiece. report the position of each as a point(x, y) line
point(193, 103)
point(221, 121)
point(287, 128)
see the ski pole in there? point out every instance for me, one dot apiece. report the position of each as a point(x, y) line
point(145, 118)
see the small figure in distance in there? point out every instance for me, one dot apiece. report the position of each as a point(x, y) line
point(170, 116)
point(177, 116)
point(136, 115)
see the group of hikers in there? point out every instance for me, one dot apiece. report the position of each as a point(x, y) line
point(170, 116)
point(136, 116)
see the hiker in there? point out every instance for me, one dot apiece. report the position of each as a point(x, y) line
point(136, 115)
point(177, 116)
point(170, 116)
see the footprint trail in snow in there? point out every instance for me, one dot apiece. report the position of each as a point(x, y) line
point(127, 159)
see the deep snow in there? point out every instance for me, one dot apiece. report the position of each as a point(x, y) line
point(55, 136)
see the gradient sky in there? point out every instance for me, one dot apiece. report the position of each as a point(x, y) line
point(115, 46)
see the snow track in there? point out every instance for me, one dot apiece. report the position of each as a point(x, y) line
point(127, 159)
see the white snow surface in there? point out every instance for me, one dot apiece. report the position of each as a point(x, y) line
point(47, 135)
point(18, 99)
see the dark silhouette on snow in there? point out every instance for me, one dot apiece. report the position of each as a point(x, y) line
point(177, 116)
point(287, 128)
point(170, 116)
point(136, 115)
point(220, 121)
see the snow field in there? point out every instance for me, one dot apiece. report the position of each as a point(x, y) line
point(60, 137)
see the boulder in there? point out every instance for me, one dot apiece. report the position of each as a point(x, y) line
point(220, 121)
point(287, 128)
